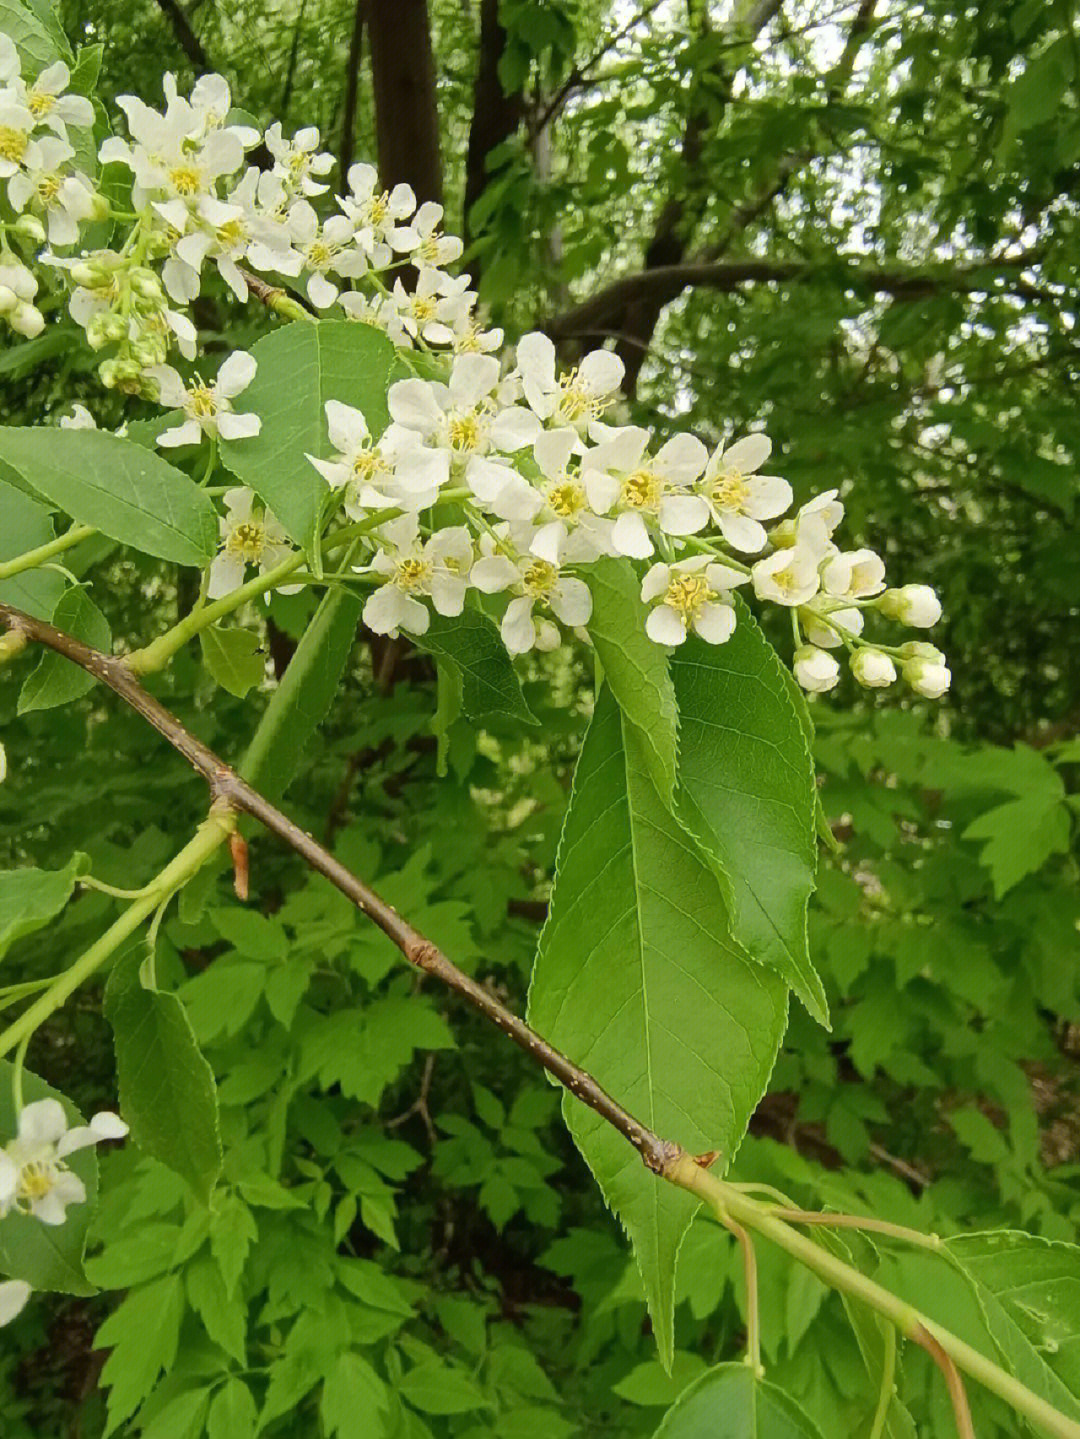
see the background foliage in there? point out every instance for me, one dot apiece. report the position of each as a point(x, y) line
point(898, 181)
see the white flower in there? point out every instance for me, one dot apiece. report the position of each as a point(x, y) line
point(10, 64)
point(376, 215)
point(468, 419)
point(916, 605)
point(815, 670)
point(566, 528)
point(813, 526)
point(737, 498)
point(326, 250)
point(618, 475)
point(299, 160)
point(534, 582)
point(46, 101)
point(853, 574)
point(433, 308)
point(250, 535)
point(788, 577)
point(79, 419)
point(578, 396)
point(33, 1176)
point(16, 125)
point(423, 242)
point(44, 184)
point(400, 471)
point(872, 668)
point(925, 670)
point(471, 339)
point(208, 408)
point(230, 232)
point(172, 159)
point(438, 568)
point(14, 1294)
point(692, 594)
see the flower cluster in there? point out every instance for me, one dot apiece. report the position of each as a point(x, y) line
point(509, 478)
point(35, 1179)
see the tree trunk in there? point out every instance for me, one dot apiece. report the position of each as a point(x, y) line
point(496, 115)
point(403, 80)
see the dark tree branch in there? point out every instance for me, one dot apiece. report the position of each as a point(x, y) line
point(228, 788)
point(662, 284)
point(188, 40)
point(352, 90)
point(294, 57)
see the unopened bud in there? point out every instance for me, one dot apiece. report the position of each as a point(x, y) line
point(815, 670)
point(12, 643)
point(819, 633)
point(916, 605)
point(873, 668)
point(27, 320)
point(31, 228)
point(929, 678)
point(146, 284)
point(8, 300)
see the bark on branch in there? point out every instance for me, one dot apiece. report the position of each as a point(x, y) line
point(662, 284)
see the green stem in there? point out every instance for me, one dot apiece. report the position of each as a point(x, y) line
point(933, 1242)
point(208, 837)
point(727, 1203)
point(17, 1075)
point(888, 1384)
point(32, 558)
point(159, 652)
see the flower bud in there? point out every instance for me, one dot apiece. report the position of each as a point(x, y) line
point(31, 228)
point(815, 670)
point(916, 605)
point(27, 320)
point(920, 650)
point(146, 284)
point(12, 643)
point(86, 275)
point(8, 300)
point(873, 668)
point(823, 635)
point(929, 678)
point(149, 350)
point(99, 207)
point(97, 330)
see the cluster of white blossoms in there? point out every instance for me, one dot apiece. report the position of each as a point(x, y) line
point(35, 1179)
point(505, 477)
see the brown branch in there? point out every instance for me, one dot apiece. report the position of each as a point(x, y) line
point(181, 27)
point(228, 788)
point(953, 1382)
point(404, 87)
point(665, 283)
point(496, 115)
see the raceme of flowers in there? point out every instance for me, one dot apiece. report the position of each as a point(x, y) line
point(510, 480)
point(35, 1179)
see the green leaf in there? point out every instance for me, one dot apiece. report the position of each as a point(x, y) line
point(300, 702)
point(234, 658)
point(637, 979)
point(747, 794)
point(233, 1414)
point(635, 668)
point(143, 1333)
point(25, 526)
point(119, 487)
point(29, 898)
point(731, 1402)
point(224, 1317)
point(469, 643)
point(232, 1232)
point(166, 1087)
point(46, 1256)
point(301, 366)
point(437, 1388)
point(181, 1418)
point(38, 41)
point(354, 1400)
point(1021, 835)
point(1030, 1294)
point(56, 680)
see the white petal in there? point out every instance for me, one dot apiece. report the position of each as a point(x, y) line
point(412, 403)
point(346, 426)
point(226, 575)
point(664, 626)
point(600, 372)
point(742, 533)
point(630, 537)
point(681, 459)
point(236, 374)
point(448, 594)
point(238, 427)
point(517, 629)
point(493, 573)
point(715, 623)
point(514, 428)
point(42, 1122)
point(571, 600)
point(536, 358)
point(767, 497)
point(13, 1296)
point(548, 541)
point(655, 582)
point(321, 292)
point(683, 514)
point(749, 453)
